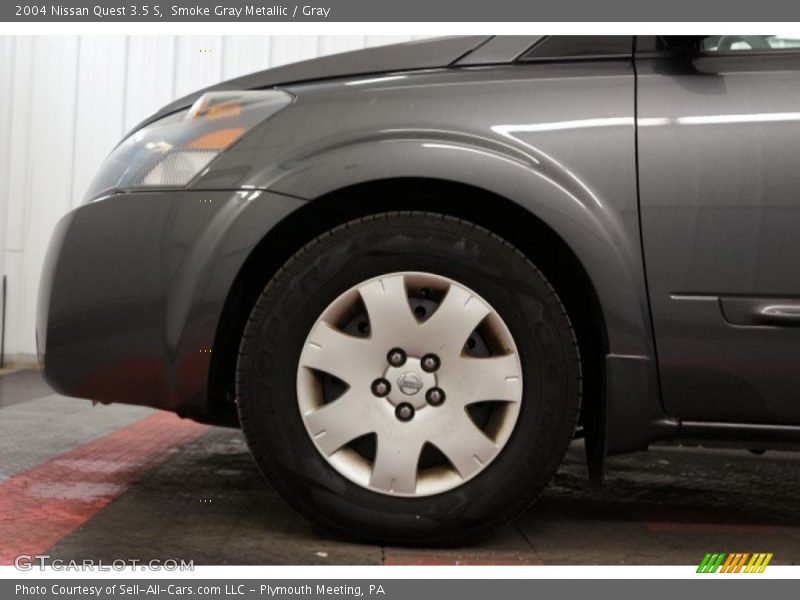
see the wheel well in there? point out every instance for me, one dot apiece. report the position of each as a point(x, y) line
point(496, 213)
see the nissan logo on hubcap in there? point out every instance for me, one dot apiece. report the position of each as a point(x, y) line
point(409, 383)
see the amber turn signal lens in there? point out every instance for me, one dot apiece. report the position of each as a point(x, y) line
point(217, 140)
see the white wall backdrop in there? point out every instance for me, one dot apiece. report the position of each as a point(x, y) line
point(66, 101)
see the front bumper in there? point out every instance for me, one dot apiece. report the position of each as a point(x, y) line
point(133, 288)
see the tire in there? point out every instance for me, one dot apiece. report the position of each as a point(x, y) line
point(271, 383)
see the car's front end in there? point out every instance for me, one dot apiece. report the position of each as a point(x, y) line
point(251, 253)
point(136, 279)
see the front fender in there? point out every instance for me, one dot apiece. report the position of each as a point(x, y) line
point(598, 232)
point(603, 234)
point(556, 139)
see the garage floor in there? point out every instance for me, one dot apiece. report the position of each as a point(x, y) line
point(116, 482)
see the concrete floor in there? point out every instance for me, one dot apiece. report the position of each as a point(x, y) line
point(118, 482)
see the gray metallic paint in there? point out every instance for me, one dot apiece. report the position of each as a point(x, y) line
point(719, 138)
point(424, 54)
point(557, 139)
point(135, 283)
point(477, 126)
point(134, 287)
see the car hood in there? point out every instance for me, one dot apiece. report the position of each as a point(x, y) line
point(427, 54)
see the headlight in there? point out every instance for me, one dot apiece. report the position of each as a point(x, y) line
point(173, 150)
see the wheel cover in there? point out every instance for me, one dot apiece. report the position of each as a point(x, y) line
point(481, 395)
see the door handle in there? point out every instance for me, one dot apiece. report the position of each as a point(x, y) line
point(780, 314)
point(774, 312)
point(764, 312)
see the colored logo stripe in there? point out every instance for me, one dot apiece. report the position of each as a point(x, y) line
point(711, 563)
point(734, 562)
point(758, 563)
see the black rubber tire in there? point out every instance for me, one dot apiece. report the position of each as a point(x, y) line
point(408, 241)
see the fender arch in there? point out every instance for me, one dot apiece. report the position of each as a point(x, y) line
point(602, 233)
point(366, 173)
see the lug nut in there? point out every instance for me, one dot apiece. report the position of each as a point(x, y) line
point(396, 357)
point(435, 396)
point(404, 411)
point(430, 362)
point(381, 387)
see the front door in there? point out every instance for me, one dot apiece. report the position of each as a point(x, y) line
point(719, 172)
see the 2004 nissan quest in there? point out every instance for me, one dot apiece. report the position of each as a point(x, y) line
point(413, 274)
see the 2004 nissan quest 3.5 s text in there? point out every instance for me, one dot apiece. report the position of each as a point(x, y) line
point(413, 274)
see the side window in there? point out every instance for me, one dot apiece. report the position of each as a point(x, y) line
point(749, 43)
point(580, 46)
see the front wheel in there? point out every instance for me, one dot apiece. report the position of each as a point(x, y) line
point(409, 378)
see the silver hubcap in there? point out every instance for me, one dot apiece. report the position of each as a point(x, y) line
point(409, 384)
